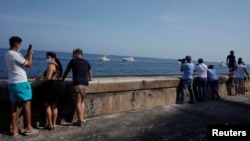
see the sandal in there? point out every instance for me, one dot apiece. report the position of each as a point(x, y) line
point(77, 124)
point(15, 134)
point(32, 132)
point(48, 128)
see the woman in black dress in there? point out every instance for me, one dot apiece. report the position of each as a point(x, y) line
point(52, 89)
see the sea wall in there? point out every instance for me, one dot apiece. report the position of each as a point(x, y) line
point(107, 95)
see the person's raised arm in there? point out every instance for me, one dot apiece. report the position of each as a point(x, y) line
point(29, 59)
point(181, 69)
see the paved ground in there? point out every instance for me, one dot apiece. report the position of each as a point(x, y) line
point(170, 123)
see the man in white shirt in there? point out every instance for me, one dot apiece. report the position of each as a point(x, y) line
point(201, 72)
point(18, 85)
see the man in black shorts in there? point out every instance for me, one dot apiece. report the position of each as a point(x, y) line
point(231, 62)
point(81, 76)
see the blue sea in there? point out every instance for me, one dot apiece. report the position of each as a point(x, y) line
point(115, 67)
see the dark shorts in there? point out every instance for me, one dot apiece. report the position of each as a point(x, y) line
point(231, 65)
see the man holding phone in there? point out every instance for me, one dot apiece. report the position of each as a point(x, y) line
point(18, 85)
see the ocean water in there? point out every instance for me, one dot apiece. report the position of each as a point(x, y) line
point(114, 67)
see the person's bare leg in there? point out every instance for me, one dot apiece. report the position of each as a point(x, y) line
point(244, 87)
point(54, 114)
point(241, 89)
point(14, 116)
point(78, 111)
point(82, 110)
point(27, 115)
point(48, 115)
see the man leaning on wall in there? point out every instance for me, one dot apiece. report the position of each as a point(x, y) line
point(81, 76)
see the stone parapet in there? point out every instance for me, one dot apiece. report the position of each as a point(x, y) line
point(108, 95)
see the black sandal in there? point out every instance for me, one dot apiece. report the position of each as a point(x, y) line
point(77, 124)
point(48, 128)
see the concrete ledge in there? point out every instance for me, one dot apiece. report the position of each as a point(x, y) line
point(108, 95)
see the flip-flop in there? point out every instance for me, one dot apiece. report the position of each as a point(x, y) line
point(77, 124)
point(34, 131)
point(15, 135)
point(49, 128)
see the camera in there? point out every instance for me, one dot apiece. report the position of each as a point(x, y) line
point(182, 60)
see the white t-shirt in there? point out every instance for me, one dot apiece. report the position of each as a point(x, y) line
point(15, 66)
point(239, 72)
point(201, 70)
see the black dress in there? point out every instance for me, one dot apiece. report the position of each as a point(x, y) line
point(52, 89)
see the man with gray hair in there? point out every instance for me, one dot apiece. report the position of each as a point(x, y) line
point(81, 76)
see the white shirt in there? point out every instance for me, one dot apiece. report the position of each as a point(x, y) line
point(15, 66)
point(201, 70)
point(239, 72)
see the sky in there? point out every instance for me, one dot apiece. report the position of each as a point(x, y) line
point(169, 29)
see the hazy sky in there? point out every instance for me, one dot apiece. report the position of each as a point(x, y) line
point(167, 29)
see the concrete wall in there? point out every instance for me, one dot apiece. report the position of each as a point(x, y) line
point(109, 95)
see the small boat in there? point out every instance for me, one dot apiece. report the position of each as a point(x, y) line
point(104, 58)
point(128, 59)
point(222, 64)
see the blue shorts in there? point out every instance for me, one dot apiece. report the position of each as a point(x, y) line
point(20, 92)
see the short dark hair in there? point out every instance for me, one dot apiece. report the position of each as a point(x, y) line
point(14, 40)
point(200, 60)
point(210, 66)
point(231, 52)
point(240, 62)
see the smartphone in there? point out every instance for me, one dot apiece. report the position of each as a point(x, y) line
point(30, 47)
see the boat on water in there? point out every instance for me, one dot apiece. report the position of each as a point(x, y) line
point(222, 64)
point(104, 58)
point(128, 59)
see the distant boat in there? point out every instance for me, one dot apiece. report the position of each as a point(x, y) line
point(128, 59)
point(104, 58)
point(222, 64)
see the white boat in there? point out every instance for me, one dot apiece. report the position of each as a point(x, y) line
point(222, 64)
point(104, 58)
point(128, 59)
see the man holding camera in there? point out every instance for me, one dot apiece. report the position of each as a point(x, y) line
point(187, 68)
point(18, 85)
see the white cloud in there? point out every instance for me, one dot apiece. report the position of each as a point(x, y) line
point(177, 21)
point(169, 18)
